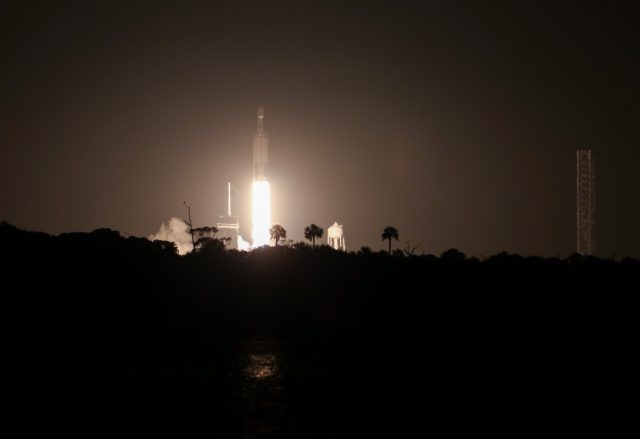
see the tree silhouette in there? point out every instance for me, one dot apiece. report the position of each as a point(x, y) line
point(204, 235)
point(189, 223)
point(166, 246)
point(312, 232)
point(156, 308)
point(277, 233)
point(388, 234)
point(453, 254)
point(200, 235)
point(410, 250)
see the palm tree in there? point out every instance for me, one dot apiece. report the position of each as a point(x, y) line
point(312, 232)
point(277, 233)
point(390, 232)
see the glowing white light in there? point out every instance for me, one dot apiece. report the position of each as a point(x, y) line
point(243, 245)
point(261, 213)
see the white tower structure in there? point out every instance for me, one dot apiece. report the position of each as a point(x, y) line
point(228, 225)
point(335, 237)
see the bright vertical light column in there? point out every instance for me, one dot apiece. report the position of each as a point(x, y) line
point(261, 213)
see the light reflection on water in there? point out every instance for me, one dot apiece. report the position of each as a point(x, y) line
point(261, 400)
point(261, 366)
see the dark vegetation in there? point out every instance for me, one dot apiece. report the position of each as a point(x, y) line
point(93, 309)
point(278, 234)
point(313, 232)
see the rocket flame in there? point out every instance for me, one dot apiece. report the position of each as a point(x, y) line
point(261, 213)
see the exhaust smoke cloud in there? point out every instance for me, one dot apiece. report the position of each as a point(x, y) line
point(176, 231)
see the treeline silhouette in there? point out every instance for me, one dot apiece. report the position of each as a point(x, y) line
point(96, 303)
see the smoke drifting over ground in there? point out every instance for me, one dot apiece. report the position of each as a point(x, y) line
point(243, 245)
point(176, 231)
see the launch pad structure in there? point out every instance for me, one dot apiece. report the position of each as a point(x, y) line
point(229, 227)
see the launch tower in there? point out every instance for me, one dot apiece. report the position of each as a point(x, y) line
point(586, 202)
point(228, 226)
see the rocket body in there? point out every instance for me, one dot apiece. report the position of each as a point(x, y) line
point(261, 193)
point(260, 150)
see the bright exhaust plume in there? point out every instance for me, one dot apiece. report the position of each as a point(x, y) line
point(261, 213)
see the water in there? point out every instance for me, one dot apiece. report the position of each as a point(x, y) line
point(260, 394)
point(263, 388)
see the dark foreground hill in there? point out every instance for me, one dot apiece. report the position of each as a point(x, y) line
point(280, 342)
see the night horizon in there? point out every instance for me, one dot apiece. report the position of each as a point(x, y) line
point(457, 125)
point(438, 197)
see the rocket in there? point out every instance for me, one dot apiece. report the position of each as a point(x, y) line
point(260, 149)
point(261, 199)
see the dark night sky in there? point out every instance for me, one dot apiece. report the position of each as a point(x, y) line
point(455, 122)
